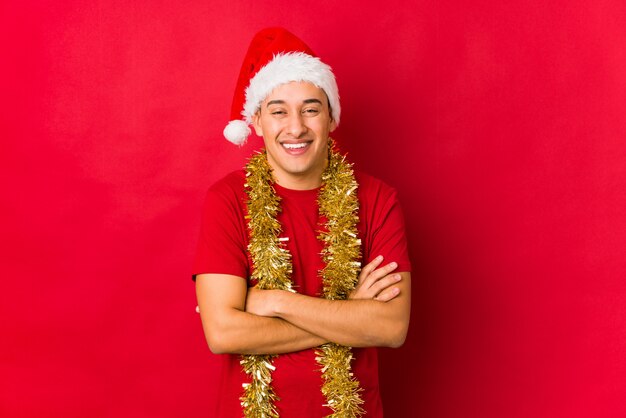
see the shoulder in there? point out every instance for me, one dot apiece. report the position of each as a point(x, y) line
point(371, 187)
point(377, 199)
point(232, 182)
point(229, 190)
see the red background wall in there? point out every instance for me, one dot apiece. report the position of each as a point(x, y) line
point(502, 125)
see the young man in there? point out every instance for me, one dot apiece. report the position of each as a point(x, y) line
point(281, 292)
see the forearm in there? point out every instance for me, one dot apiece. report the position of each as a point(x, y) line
point(229, 329)
point(243, 333)
point(356, 323)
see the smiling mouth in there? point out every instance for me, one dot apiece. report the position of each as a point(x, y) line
point(295, 146)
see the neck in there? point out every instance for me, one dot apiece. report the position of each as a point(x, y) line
point(297, 183)
point(310, 180)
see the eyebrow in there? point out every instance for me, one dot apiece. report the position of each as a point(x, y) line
point(307, 101)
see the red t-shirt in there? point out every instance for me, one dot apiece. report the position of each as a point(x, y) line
point(222, 250)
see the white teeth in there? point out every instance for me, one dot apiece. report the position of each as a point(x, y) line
point(295, 146)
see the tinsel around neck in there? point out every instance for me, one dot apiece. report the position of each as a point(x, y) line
point(272, 269)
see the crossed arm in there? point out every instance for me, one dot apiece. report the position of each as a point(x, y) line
point(242, 320)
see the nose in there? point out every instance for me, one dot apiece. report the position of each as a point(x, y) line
point(295, 125)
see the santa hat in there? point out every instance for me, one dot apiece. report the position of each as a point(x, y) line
point(275, 57)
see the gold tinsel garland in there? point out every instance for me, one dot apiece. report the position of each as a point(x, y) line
point(272, 269)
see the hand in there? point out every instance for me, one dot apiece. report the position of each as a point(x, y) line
point(377, 283)
point(259, 302)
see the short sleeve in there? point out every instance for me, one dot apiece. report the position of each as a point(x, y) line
point(382, 225)
point(389, 233)
point(222, 243)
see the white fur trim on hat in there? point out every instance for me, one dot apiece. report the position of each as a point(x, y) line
point(285, 68)
point(237, 131)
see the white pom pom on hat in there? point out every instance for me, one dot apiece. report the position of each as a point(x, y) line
point(237, 131)
point(275, 57)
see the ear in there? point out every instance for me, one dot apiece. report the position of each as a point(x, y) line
point(333, 125)
point(256, 123)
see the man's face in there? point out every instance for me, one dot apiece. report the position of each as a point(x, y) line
point(294, 121)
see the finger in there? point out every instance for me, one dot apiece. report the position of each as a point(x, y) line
point(384, 283)
point(379, 274)
point(388, 294)
point(370, 267)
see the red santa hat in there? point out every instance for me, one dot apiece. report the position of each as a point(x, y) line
point(275, 57)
